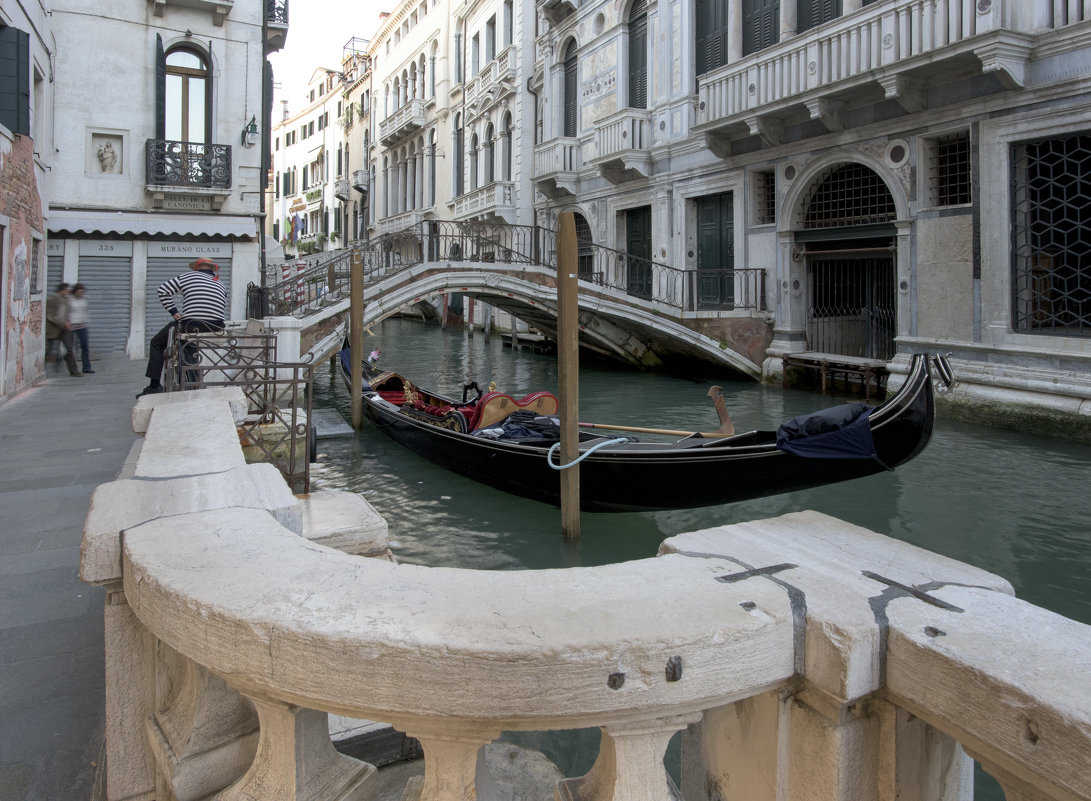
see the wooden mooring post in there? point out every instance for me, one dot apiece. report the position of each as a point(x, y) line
point(568, 372)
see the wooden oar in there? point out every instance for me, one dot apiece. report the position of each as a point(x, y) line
point(655, 430)
point(727, 428)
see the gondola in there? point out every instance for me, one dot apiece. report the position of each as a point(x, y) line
point(511, 444)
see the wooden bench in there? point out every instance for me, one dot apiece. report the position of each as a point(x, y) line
point(829, 365)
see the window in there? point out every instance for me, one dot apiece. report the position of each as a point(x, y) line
point(638, 54)
point(310, 128)
point(765, 197)
point(15, 80)
point(509, 23)
point(849, 194)
point(276, 143)
point(473, 162)
point(571, 87)
point(949, 169)
point(812, 13)
point(1051, 244)
point(760, 24)
point(475, 54)
point(490, 155)
point(188, 95)
point(712, 16)
point(277, 185)
point(459, 157)
point(36, 266)
point(490, 39)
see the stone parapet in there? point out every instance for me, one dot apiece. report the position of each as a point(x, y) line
point(800, 657)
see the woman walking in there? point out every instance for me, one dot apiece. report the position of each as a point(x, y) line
point(78, 318)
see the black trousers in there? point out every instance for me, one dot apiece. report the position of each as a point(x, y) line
point(159, 342)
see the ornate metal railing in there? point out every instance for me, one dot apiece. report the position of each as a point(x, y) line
point(277, 428)
point(455, 243)
point(276, 11)
point(188, 164)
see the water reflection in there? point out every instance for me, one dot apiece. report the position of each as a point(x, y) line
point(976, 494)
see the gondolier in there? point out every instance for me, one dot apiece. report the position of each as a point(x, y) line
point(204, 307)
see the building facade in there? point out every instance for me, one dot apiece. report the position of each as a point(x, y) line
point(26, 133)
point(866, 179)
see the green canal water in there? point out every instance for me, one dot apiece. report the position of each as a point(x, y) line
point(1011, 503)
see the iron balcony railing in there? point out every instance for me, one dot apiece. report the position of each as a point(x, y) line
point(188, 164)
point(454, 243)
point(276, 12)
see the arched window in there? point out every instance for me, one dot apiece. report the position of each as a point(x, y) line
point(473, 162)
point(506, 146)
point(188, 95)
point(638, 54)
point(432, 168)
point(490, 155)
point(459, 159)
point(571, 88)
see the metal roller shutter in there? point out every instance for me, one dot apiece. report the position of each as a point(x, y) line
point(54, 272)
point(164, 269)
point(108, 280)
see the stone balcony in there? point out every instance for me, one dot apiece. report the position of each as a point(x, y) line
point(800, 655)
point(622, 146)
point(342, 190)
point(402, 123)
point(494, 201)
point(891, 50)
point(557, 163)
point(494, 82)
point(361, 180)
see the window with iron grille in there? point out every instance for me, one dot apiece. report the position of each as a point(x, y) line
point(36, 266)
point(949, 169)
point(765, 197)
point(849, 194)
point(1051, 236)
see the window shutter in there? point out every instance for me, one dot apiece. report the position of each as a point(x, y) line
point(160, 89)
point(638, 55)
point(761, 20)
point(712, 18)
point(15, 80)
point(571, 86)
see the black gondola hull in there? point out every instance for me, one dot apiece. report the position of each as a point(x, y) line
point(641, 477)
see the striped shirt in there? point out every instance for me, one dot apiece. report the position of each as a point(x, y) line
point(203, 298)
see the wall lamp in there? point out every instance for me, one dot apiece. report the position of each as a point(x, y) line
point(250, 133)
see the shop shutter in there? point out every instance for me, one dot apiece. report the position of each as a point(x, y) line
point(54, 273)
point(108, 280)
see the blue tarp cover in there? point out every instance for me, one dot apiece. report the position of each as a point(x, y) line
point(841, 432)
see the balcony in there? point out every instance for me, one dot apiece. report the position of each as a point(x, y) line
point(887, 51)
point(623, 146)
point(494, 82)
point(198, 171)
point(556, 166)
point(403, 122)
point(556, 10)
point(360, 180)
point(493, 202)
point(341, 190)
point(401, 221)
point(276, 24)
point(218, 8)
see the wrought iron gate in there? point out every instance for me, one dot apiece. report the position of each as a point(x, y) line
point(851, 303)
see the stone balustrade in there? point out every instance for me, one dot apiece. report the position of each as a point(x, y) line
point(801, 657)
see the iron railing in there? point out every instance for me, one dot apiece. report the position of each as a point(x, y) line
point(188, 164)
point(454, 243)
point(277, 427)
point(276, 12)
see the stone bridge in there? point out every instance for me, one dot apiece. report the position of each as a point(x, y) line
point(631, 309)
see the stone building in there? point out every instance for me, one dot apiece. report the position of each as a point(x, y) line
point(161, 156)
point(354, 186)
point(308, 157)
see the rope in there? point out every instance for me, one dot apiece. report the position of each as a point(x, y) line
point(582, 456)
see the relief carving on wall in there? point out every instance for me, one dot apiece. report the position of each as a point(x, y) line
point(105, 154)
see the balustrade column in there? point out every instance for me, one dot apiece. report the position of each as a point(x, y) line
point(918, 762)
point(296, 760)
point(451, 754)
point(629, 766)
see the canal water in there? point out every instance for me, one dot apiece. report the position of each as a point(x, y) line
point(1006, 501)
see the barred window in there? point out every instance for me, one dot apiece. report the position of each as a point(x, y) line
point(1051, 236)
point(765, 197)
point(36, 267)
point(949, 169)
point(850, 194)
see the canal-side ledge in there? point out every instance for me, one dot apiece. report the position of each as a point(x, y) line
point(800, 656)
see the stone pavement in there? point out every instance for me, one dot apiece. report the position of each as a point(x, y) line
point(58, 441)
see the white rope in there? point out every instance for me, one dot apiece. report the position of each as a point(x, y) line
point(582, 456)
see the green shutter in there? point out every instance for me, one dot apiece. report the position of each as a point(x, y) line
point(15, 80)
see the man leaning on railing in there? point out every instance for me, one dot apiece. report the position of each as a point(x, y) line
point(204, 307)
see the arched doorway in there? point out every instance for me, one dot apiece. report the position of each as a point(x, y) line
point(846, 229)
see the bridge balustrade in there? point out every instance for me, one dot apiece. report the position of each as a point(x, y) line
point(448, 245)
point(798, 657)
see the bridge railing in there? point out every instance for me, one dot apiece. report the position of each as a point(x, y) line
point(454, 243)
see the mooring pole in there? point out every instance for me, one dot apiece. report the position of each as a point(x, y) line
point(356, 336)
point(568, 369)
